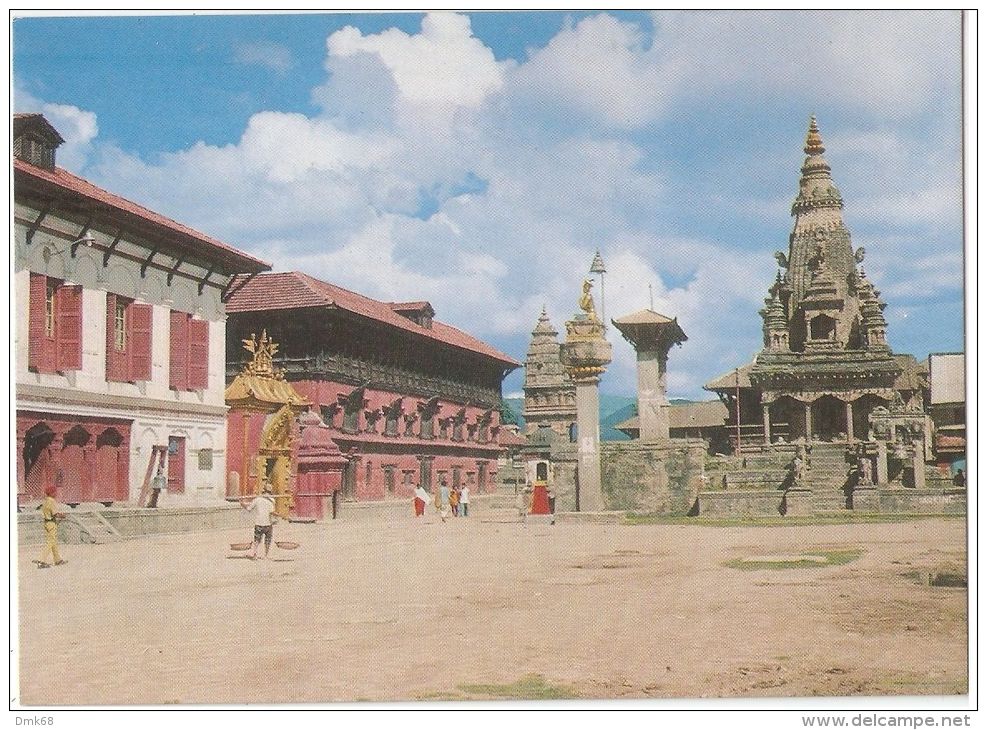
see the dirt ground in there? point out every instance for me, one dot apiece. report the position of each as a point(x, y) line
point(479, 609)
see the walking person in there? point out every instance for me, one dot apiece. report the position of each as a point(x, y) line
point(158, 482)
point(442, 500)
point(263, 507)
point(50, 517)
point(464, 501)
point(521, 503)
point(454, 501)
point(421, 499)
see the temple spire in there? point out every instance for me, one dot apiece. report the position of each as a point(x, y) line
point(813, 140)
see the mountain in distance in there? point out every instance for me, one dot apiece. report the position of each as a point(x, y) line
point(613, 410)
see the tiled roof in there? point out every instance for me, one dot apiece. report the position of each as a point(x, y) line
point(294, 290)
point(74, 185)
point(509, 438)
point(738, 377)
point(705, 414)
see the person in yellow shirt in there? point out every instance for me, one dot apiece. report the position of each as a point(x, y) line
point(50, 518)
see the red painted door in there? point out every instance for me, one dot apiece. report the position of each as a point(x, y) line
point(39, 475)
point(176, 464)
point(73, 469)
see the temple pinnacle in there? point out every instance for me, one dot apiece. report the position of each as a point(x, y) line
point(813, 141)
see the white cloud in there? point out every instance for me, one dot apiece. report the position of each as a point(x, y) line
point(436, 71)
point(603, 68)
point(424, 176)
point(266, 54)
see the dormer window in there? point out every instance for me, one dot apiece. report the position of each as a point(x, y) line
point(420, 313)
point(35, 140)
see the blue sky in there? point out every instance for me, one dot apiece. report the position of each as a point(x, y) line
point(478, 160)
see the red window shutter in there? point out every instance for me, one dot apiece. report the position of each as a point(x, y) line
point(178, 351)
point(36, 335)
point(116, 360)
point(198, 354)
point(68, 327)
point(139, 341)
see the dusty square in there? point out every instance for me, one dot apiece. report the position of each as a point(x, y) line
point(406, 610)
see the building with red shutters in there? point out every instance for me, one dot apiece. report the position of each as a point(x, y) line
point(120, 339)
point(407, 399)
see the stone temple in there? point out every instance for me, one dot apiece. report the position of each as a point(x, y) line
point(826, 364)
point(549, 393)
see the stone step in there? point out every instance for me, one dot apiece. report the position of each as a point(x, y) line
point(828, 501)
point(93, 527)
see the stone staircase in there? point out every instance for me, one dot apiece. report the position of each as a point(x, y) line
point(827, 467)
point(827, 476)
point(93, 527)
point(500, 506)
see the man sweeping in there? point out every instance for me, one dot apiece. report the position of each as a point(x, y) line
point(263, 508)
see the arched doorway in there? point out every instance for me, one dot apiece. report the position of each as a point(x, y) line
point(38, 467)
point(828, 418)
point(110, 480)
point(787, 417)
point(862, 408)
point(76, 476)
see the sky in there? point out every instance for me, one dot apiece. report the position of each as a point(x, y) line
point(479, 160)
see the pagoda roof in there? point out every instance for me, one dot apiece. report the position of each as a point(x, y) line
point(729, 381)
point(648, 325)
point(705, 414)
point(295, 290)
point(255, 392)
point(645, 316)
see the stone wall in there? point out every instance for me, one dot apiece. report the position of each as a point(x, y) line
point(935, 501)
point(131, 522)
point(750, 503)
point(564, 458)
point(663, 477)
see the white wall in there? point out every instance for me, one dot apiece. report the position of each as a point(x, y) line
point(156, 410)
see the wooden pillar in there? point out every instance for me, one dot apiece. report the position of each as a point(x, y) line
point(808, 421)
point(849, 421)
point(767, 424)
point(244, 456)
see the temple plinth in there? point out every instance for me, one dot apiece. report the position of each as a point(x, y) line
point(585, 355)
point(652, 336)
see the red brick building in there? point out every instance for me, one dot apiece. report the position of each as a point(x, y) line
point(407, 399)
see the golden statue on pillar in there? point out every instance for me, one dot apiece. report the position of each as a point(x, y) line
point(586, 300)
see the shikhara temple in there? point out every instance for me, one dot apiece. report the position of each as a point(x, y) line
point(826, 364)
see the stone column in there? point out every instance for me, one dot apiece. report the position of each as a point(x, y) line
point(849, 420)
point(808, 421)
point(585, 355)
point(918, 463)
point(652, 402)
point(652, 335)
point(766, 411)
point(882, 464)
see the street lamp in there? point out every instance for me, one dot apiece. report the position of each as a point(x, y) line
point(86, 240)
